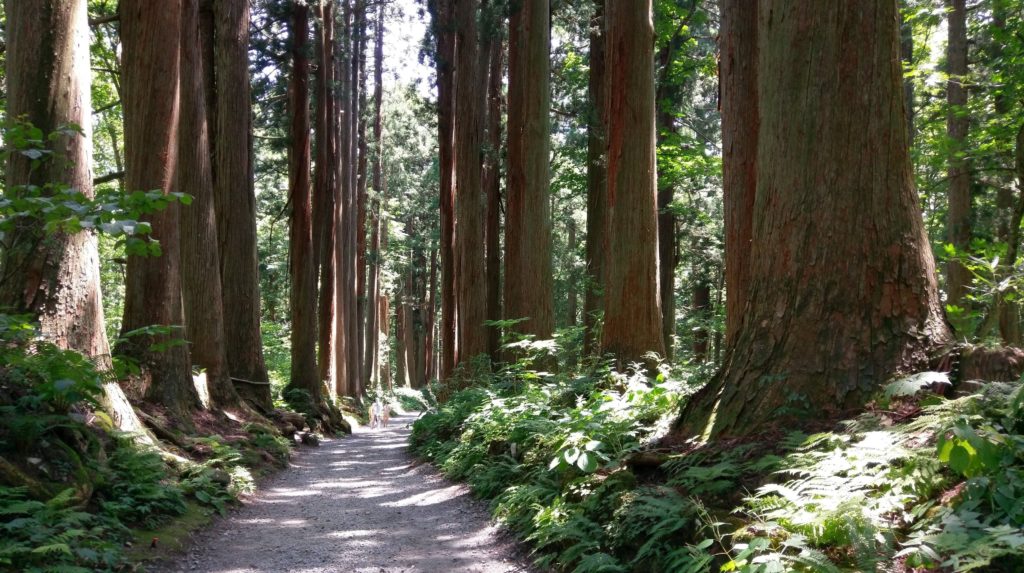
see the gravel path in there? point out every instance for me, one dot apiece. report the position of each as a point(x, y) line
point(360, 504)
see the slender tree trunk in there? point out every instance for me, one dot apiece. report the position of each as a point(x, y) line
point(740, 121)
point(385, 332)
point(528, 270)
point(668, 248)
point(431, 366)
point(593, 302)
point(373, 260)
point(360, 224)
point(56, 278)
point(632, 310)
point(325, 191)
point(573, 306)
point(958, 222)
point(844, 196)
point(304, 373)
point(235, 199)
point(701, 311)
point(492, 186)
point(151, 39)
point(343, 290)
point(401, 349)
point(200, 258)
point(444, 30)
point(471, 291)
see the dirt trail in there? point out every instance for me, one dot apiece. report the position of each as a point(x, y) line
point(358, 504)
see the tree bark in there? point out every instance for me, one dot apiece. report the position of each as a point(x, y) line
point(471, 291)
point(593, 302)
point(740, 121)
point(200, 258)
point(304, 374)
point(235, 200)
point(528, 271)
point(442, 21)
point(668, 249)
point(573, 306)
point(56, 278)
point(151, 41)
point(632, 310)
point(360, 223)
point(838, 236)
point(431, 366)
point(344, 292)
point(325, 192)
point(958, 223)
point(373, 260)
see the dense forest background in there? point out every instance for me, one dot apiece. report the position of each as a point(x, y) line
point(592, 236)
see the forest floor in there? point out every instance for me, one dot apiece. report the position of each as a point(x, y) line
point(359, 504)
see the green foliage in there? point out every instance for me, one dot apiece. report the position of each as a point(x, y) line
point(138, 488)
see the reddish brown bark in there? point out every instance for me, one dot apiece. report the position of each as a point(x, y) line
point(304, 373)
point(235, 200)
point(151, 40)
point(632, 310)
point(471, 290)
point(528, 271)
point(324, 193)
point(430, 367)
point(200, 257)
point(740, 120)
point(371, 350)
point(838, 236)
point(344, 249)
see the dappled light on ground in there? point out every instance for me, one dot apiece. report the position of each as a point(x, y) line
point(358, 504)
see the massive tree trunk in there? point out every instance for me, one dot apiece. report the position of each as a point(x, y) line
point(151, 39)
point(838, 237)
point(632, 310)
point(593, 301)
point(528, 271)
point(304, 373)
point(492, 186)
point(958, 222)
point(235, 199)
point(443, 25)
point(740, 120)
point(471, 291)
point(200, 258)
point(324, 194)
point(56, 278)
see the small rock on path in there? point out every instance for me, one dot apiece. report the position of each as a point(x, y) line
point(360, 504)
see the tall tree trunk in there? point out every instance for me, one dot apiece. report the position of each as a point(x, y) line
point(324, 193)
point(373, 260)
point(385, 331)
point(492, 186)
point(907, 56)
point(740, 121)
point(235, 199)
point(200, 258)
point(151, 40)
point(444, 30)
point(573, 306)
point(401, 349)
point(632, 310)
point(304, 373)
point(668, 249)
point(958, 223)
point(471, 291)
point(56, 278)
point(344, 292)
point(528, 270)
point(431, 366)
point(701, 311)
point(360, 223)
point(838, 237)
point(593, 302)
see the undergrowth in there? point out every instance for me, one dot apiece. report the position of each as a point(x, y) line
point(72, 488)
point(561, 460)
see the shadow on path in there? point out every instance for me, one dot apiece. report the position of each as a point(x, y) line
point(359, 504)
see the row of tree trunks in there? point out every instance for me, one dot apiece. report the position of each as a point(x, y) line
point(200, 255)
